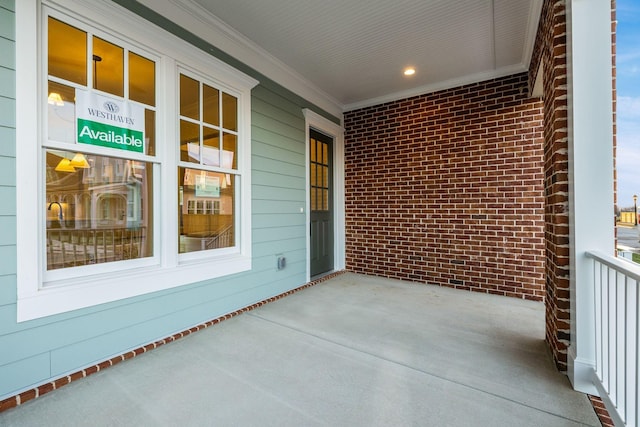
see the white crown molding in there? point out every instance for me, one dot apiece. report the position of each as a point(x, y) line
point(430, 88)
point(208, 27)
point(531, 31)
point(202, 23)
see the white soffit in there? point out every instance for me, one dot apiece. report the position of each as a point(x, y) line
point(352, 52)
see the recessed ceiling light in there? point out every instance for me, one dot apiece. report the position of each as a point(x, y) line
point(409, 71)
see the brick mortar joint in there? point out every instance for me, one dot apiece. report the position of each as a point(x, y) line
point(54, 384)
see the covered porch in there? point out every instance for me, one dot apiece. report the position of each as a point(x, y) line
point(352, 350)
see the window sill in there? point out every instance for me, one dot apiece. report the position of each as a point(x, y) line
point(57, 297)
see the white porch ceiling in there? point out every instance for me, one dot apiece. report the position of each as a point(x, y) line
point(354, 51)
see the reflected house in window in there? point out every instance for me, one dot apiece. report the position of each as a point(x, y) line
point(98, 211)
point(207, 203)
point(111, 198)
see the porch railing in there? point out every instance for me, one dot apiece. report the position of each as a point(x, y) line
point(617, 318)
point(77, 247)
point(223, 239)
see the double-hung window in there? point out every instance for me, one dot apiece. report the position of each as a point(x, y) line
point(138, 147)
point(101, 111)
point(208, 168)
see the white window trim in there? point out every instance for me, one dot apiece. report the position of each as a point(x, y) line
point(38, 299)
point(315, 121)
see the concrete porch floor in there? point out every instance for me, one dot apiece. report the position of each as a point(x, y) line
point(351, 351)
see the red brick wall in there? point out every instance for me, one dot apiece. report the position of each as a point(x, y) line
point(550, 50)
point(447, 189)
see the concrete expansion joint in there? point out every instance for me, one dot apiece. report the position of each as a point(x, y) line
point(401, 364)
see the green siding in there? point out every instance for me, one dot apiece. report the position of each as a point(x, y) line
point(7, 260)
point(7, 23)
point(7, 144)
point(8, 225)
point(7, 111)
point(31, 368)
point(7, 83)
point(9, 59)
point(7, 204)
point(25, 373)
point(8, 291)
point(8, 4)
point(7, 171)
point(36, 351)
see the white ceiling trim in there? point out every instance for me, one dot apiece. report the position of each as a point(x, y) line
point(532, 31)
point(430, 88)
point(203, 24)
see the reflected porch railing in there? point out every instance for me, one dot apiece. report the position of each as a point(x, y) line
point(78, 247)
point(617, 326)
point(223, 239)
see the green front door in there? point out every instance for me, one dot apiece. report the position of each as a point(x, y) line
point(320, 191)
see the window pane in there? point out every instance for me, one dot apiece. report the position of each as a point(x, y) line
point(211, 107)
point(312, 150)
point(189, 142)
point(97, 217)
point(61, 113)
point(211, 147)
point(229, 153)
point(150, 132)
point(325, 153)
point(314, 181)
point(229, 112)
point(325, 176)
point(202, 229)
point(142, 79)
point(314, 205)
point(67, 52)
point(108, 67)
point(189, 98)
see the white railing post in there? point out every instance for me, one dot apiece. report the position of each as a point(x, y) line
point(617, 324)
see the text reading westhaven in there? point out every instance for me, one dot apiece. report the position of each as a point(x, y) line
point(110, 116)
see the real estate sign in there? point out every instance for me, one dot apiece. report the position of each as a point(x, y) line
point(109, 122)
point(207, 186)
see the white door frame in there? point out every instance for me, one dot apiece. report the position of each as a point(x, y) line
point(315, 121)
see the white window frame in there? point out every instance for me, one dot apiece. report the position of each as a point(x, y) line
point(237, 173)
point(39, 297)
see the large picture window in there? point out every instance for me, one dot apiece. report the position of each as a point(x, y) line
point(100, 94)
point(143, 147)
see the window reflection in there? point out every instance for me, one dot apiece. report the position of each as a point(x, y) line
point(108, 67)
point(206, 210)
point(61, 112)
point(229, 112)
point(67, 47)
point(98, 209)
point(142, 79)
point(189, 97)
point(229, 153)
point(211, 107)
point(189, 142)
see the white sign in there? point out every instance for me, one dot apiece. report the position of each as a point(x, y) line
point(109, 122)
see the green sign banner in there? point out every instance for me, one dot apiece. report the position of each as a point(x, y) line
point(109, 122)
point(94, 133)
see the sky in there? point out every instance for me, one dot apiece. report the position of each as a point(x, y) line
point(628, 106)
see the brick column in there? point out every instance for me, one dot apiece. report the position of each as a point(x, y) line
point(550, 51)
